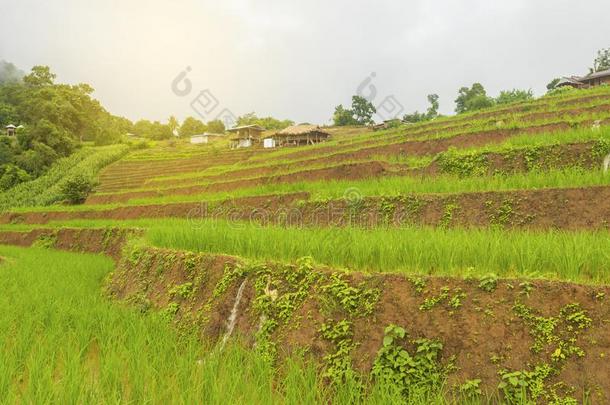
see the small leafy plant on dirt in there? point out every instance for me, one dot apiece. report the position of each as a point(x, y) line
point(489, 283)
point(453, 301)
point(45, 241)
point(397, 367)
point(182, 290)
point(338, 364)
point(357, 301)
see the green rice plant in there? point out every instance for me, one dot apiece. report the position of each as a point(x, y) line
point(573, 256)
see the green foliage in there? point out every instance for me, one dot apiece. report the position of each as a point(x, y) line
point(338, 364)
point(185, 290)
point(53, 120)
point(472, 99)
point(343, 116)
point(470, 389)
point(363, 110)
point(47, 189)
point(463, 164)
point(76, 189)
point(217, 127)
point(397, 367)
point(361, 113)
point(602, 61)
point(489, 283)
point(11, 176)
point(268, 123)
point(357, 301)
point(552, 85)
point(192, 126)
point(9, 73)
point(514, 96)
point(152, 130)
point(430, 114)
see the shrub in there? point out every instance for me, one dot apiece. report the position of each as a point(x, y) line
point(76, 189)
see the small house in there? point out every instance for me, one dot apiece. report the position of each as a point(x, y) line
point(268, 143)
point(205, 138)
point(300, 135)
point(584, 82)
point(246, 136)
point(10, 130)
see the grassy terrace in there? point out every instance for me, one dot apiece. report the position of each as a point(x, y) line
point(575, 256)
point(521, 143)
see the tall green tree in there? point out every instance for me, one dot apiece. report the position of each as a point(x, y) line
point(602, 61)
point(472, 99)
point(216, 127)
point(363, 110)
point(343, 116)
point(192, 126)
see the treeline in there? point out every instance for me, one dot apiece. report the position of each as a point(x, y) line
point(469, 99)
point(53, 120)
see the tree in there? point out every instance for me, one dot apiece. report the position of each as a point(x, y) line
point(216, 127)
point(343, 116)
point(430, 114)
point(553, 84)
point(40, 76)
point(9, 73)
point(434, 106)
point(513, 96)
point(602, 61)
point(472, 99)
point(363, 110)
point(192, 126)
point(265, 122)
point(173, 124)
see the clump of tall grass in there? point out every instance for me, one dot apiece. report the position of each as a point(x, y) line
point(575, 256)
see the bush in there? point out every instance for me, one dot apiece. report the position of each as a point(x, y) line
point(76, 189)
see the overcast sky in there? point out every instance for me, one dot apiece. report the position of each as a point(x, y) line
point(298, 59)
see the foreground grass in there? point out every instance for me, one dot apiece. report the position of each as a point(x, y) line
point(62, 342)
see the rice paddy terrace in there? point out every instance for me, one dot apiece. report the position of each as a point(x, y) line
point(461, 260)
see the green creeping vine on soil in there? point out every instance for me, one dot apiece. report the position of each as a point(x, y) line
point(398, 368)
point(278, 295)
point(448, 212)
point(556, 337)
point(46, 241)
point(463, 164)
point(453, 301)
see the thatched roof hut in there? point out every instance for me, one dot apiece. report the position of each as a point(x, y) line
point(303, 134)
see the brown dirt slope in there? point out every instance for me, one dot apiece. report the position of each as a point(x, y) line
point(564, 208)
point(485, 328)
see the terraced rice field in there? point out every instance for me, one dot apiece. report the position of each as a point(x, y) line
point(462, 260)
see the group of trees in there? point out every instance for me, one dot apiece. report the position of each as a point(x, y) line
point(361, 113)
point(476, 98)
point(53, 120)
point(430, 114)
point(265, 122)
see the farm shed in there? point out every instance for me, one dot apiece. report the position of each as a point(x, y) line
point(245, 136)
point(299, 135)
point(10, 129)
point(591, 80)
point(205, 138)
